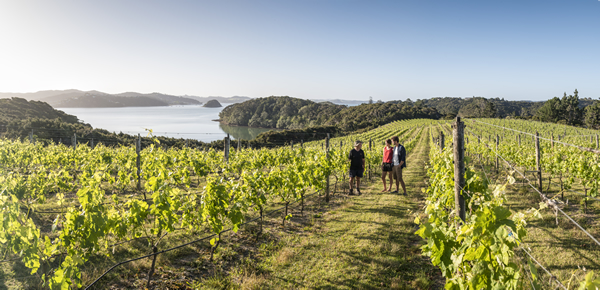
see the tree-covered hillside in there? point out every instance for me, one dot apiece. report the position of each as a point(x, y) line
point(293, 113)
point(279, 112)
point(20, 109)
point(481, 107)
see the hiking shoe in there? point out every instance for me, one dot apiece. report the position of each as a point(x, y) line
point(405, 194)
point(351, 192)
point(358, 190)
point(395, 191)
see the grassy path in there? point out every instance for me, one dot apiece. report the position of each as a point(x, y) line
point(366, 242)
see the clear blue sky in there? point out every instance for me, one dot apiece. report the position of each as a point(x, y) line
point(324, 49)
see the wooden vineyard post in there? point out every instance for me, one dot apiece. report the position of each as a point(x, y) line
point(92, 144)
point(31, 136)
point(369, 163)
point(519, 136)
point(301, 143)
point(292, 145)
point(479, 142)
point(151, 272)
point(597, 142)
point(138, 162)
point(287, 203)
point(327, 181)
point(537, 160)
point(497, 143)
point(74, 141)
point(441, 142)
point(552, 140)
point(226, 149)
point(459, 167)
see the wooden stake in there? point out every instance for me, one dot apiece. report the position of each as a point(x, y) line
point(537, 160)
point(327, 185)
point(459, 167)
point(138, 162)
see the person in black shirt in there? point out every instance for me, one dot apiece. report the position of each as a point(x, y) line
point(357, 166)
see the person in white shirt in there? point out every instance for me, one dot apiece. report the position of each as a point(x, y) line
point(399, 162)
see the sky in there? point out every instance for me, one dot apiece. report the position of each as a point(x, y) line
point(325, 49)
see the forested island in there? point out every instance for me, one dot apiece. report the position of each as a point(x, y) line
point(212, 104)
point(292, 113)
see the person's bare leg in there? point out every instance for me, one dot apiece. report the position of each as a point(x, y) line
point(397, 183)
point(351, 183)
point(389, 173)
point(358, 183)
point(383, 175)
point(402, 182)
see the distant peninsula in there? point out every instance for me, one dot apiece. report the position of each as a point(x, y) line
point(97, 99)
point(212, 104)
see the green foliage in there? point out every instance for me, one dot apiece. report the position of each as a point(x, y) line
point(279, 112)
point(20, 109)
point(592, 115)
point(478, 108)
point(566, 109)
point(292, 113)
point(476, 253)
point(483, 107)
point(296, 135)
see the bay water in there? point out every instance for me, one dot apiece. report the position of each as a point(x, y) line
point(188, 122)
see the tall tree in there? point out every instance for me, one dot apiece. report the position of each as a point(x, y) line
point(564, 110)
point(592, 115)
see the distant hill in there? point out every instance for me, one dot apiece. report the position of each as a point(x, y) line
point(97, 99)
point(108, 101)
point(226, 100)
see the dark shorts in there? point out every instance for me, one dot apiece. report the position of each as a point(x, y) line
point(386, 167)
point(356, 173)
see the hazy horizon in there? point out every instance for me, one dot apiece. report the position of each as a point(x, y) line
point(2, 95)
point(348, 50)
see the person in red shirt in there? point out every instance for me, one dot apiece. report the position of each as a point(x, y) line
point(386, 165)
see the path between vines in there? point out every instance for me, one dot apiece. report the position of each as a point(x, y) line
point(368, 242)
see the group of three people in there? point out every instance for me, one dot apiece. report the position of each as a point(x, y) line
point(394, 160)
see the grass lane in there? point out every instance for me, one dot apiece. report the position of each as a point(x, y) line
point(367, 242)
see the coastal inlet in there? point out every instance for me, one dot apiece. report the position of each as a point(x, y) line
point(188, 122)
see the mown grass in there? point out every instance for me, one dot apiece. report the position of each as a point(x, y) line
point(364, 242)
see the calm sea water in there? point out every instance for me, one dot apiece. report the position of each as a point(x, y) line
point(189, 122)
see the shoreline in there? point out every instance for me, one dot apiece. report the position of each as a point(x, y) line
point(220, 122)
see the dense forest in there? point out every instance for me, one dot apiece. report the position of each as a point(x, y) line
point(479, 107)
point(293, 113)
